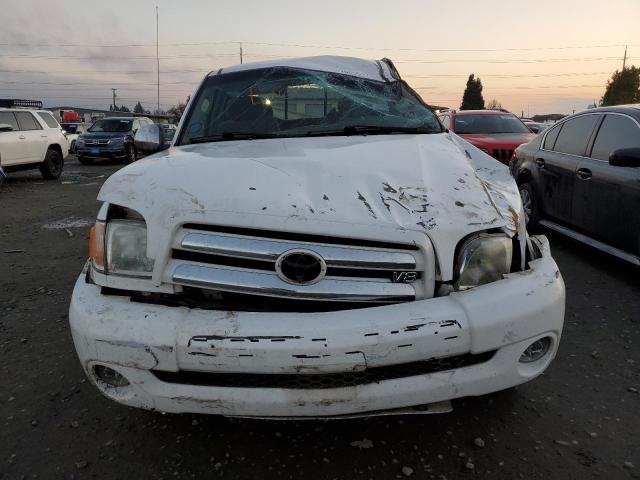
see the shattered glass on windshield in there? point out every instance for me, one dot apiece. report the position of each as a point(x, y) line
point(290, 102)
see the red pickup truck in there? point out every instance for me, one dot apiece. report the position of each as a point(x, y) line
point(495, 132)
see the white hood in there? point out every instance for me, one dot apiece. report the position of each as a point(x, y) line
point(371, 187)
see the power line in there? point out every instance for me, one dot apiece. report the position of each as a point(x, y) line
point(123, 72)
point(207, 70)
point(298, 45)
point(524, 75)
point(457, 60)
point(92, 83)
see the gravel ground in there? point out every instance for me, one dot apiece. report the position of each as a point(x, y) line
point(579, 420)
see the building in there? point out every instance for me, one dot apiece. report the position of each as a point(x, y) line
point(90, 115)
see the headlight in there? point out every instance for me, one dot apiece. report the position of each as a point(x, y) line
point(483, 259)
point(126, 248)
point(116, 141)
point(80, 140)
point(119, 247)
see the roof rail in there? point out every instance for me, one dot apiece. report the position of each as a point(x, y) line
point(17, 103)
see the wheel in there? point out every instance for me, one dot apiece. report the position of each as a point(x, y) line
point(52, 166)
point(529, 204)
point(130, 156)
point(72, 147)
point(84, 160)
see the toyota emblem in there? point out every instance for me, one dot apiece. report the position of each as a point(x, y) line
point(301, 267)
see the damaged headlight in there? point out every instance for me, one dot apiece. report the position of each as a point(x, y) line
point(484, 258)
point(126, 248)
point(119, 247)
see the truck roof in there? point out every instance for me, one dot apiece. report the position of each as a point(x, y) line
point(378, 70)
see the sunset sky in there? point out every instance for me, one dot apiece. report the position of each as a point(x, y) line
point(537, 57)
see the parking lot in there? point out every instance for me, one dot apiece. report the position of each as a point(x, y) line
point(578, 420)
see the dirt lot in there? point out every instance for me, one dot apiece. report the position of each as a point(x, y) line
point(580, 420)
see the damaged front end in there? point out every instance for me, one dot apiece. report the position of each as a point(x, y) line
point(317, 275)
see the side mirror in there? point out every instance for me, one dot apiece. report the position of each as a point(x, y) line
point(150, 139)
point(5, 127)
point(625, 157)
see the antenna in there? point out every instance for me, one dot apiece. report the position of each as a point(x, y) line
point(240, 43)
point(158, 56)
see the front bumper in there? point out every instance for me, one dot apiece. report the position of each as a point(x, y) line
point(137, 339)
point(101, 151)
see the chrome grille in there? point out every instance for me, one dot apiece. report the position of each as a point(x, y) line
point(502, 153)
point(96, 142)
point(245, 263)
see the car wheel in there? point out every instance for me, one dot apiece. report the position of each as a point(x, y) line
point(84, 160)
point(52, 166)
point(529, 204)
point(72, 147)
point(131, 154)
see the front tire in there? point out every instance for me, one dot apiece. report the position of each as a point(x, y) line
point(529, 204)
point(52, 166)
point(130, 156)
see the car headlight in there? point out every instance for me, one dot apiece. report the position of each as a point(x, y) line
point(119, 247)
point(116, 141)
point(484, 258)
point(80, 140)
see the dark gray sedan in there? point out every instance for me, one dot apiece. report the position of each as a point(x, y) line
point(582, 178)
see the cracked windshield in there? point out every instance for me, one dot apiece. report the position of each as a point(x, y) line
point(337, 240)
point(289, 102)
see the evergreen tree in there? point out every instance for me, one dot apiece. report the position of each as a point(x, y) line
point(622, 88)
point(472, 97)
point(138, 108)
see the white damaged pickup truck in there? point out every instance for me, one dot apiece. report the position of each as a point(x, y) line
point(313, 243)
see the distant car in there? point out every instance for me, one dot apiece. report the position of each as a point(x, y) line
point(73, 131)
point(110, 138)
point(32, 139)
point(495, 132)
point(582, 179)
point(535, 127)
point(169, 131)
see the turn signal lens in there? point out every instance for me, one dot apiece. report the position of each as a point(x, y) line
point(96, 245)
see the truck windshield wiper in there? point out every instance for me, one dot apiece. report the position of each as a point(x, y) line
point(224, 136)
point(370, 130)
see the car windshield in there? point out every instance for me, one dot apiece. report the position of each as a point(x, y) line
point(111, 125)
point(488, 123)
point(291, 102)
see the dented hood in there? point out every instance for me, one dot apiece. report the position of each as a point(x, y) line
point(356, 186)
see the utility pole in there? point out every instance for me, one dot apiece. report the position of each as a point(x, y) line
point(240, 52)
point(624, 60)
point(114, 97)
point(158, 56)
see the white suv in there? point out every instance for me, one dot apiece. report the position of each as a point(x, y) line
point(32, 139)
